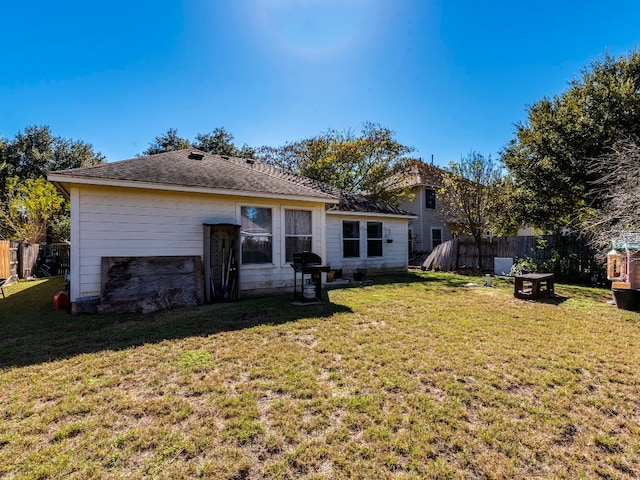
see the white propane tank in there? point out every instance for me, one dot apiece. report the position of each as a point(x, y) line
point(309, 291)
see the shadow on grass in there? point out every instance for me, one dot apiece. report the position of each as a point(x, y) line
point(550, 300)
point(32, 332)
point(399, 279)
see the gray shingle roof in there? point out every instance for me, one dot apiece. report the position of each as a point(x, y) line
point(193, 168)
point(200, 169)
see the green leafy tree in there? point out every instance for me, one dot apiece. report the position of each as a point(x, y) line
point(34, 152)
point(167, 142)
point(28, 156)
point(30, 207)
point(549, 158)
point(220, 142)
point(372, 163)
point(469, 194)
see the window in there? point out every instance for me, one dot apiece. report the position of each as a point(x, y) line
point(374, 239)
point(257, 235)
point(350, 239)
point(430, 196)
point(436, 237)
point(297, 232)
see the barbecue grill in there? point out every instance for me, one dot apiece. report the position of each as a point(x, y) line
point(310, 267)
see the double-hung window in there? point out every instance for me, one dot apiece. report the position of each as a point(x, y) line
point(374, 239)
point(297, 232)
point(350, 239)
point(257, 235)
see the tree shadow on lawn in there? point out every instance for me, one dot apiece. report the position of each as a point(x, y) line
point(31, 332)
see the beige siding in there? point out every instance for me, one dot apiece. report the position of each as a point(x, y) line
point(426, 218)
point(109, 221)
point(395, 254)
point(634, 270)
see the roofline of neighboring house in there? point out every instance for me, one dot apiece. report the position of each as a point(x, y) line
point(368, 214)
point(61, 182)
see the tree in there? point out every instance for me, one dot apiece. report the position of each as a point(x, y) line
point(167, 142)
point(469, 194)
point(220, 142)
point(34, 152)
point(618, 188)
point(26, 159)
point(29, 208)
point(550, 155)
point(372, 163)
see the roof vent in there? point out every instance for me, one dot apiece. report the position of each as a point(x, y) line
point(226, 157)
point(250, 161)
point(196, 155)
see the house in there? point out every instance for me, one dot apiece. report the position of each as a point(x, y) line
point(238, 221)
point(428, 228)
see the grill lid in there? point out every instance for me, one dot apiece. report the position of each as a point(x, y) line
point(306, 258)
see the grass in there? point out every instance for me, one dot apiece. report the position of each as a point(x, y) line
point(415, 376)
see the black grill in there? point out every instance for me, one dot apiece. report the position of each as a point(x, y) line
point(310, 267)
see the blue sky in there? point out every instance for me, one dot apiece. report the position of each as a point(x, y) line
point(446, 76)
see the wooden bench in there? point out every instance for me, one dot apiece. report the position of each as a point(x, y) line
point(533, 285)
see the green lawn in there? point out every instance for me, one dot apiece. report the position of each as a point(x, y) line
point(416, 376)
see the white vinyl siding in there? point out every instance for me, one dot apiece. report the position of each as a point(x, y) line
point(425, 219)
point(112, 222)
point(395, 257)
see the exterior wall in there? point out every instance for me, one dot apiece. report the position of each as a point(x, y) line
point(395, 255)
point(634, 270)
point(426, 218)
point(113, 221)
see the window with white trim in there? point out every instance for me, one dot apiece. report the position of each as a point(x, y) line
point(297, 232)
point(350, 239)
point(257, 235)
point(374, 239)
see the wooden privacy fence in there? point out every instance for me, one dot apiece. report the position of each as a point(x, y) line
point(9, 259)
point(25, 260)
point(570, 255)
point(5, 258)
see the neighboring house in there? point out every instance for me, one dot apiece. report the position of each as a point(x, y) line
point(160, 206)
point(428, 229)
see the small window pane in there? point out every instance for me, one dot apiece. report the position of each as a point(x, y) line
point(256, 220)
point(351, 248)
point(297, 222)
point(374, 248)
point(374, 230)
point(256, 249)
point(297, 245)
point(351, 229)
